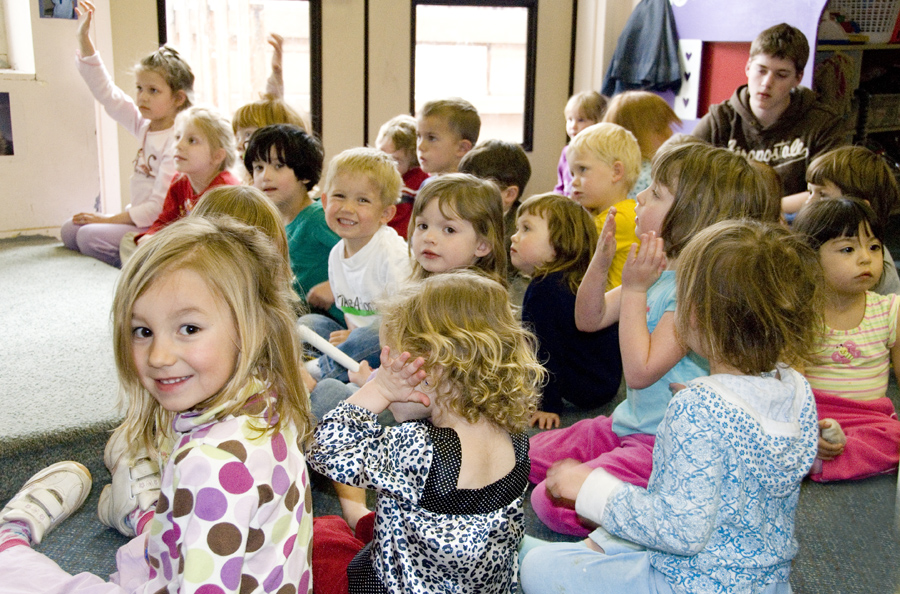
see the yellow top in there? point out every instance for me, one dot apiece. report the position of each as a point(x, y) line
point(625, 236)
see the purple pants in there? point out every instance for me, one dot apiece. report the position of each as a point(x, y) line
point(592, 441)
point(97, 240)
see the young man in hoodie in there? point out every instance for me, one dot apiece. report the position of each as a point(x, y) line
point(772, 119)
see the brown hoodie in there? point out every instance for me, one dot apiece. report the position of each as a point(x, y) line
point(805, 129)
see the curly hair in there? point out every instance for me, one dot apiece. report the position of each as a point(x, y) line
point(484, 361)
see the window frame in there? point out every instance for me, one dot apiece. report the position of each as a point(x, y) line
point(530, 54)
point(315, 56)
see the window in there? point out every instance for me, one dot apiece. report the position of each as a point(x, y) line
point(224, 41)
point(483, 52)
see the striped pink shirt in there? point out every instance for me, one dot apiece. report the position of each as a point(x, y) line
point(855, 363)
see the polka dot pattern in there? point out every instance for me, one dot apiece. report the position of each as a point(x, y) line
point(229, 517)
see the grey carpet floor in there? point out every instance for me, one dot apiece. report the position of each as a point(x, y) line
point(57, 385)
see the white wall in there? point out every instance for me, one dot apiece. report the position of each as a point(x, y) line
point(56, 169)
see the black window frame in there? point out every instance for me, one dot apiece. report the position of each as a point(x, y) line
point(530, 54)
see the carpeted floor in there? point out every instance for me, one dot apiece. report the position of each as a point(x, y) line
point(57, 384)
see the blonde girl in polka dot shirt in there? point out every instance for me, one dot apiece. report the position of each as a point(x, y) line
point(205, 347)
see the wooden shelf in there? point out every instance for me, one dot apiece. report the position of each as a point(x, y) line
point(836, 47)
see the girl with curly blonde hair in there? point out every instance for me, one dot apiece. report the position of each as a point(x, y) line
point(460, 373)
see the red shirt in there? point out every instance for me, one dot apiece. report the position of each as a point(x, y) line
point(180, 199)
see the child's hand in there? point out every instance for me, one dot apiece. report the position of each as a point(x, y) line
point(644, 264)
point(545, 420)
point(89, 218)
point(397, 378)
point(360, 377)
point(338, 337)
point(828, 450)
point(275, 84)
point(565, 478)
point(320, 296)
point(606, 244)
point(85, 12)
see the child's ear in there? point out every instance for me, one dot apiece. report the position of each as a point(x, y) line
point(219, 156)
point(483, 249)
point(509, 197)
point(618, 171)
point(463, 147)
point(180, 98)
point(388, 213)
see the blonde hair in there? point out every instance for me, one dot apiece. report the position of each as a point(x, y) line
point(215, 127)
point(248, 205)
point(168, 63)
point(474, 200)
point(590, 105)
point(242, 268)
point(858, 172)
point(749, 294)
point(644, 114)
point(460, 115)
point(401, 131)
point(267, 112)
point(709, 184)
point(482, 358)
point(609, 143)
point(374, 164)
point(572, 233)
point(773, 190)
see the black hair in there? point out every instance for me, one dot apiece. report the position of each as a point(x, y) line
point(824, 220)
point(295, 148)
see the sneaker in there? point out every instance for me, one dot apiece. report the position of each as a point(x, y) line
point(135, 484)
point(49, 497)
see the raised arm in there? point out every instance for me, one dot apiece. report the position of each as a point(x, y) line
point(646, 357)
point(275, 84)
point(595, 307)
point(85, 12)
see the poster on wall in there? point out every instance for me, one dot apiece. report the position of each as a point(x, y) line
point(6, 139)
point(58, 9)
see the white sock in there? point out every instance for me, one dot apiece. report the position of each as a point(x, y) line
point(312, 366)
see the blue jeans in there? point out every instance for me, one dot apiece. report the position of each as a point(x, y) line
point(328, 393)
point(362, 344)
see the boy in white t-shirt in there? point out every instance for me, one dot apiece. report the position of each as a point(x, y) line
point(360, 193)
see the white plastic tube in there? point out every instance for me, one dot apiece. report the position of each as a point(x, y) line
point(326, 348)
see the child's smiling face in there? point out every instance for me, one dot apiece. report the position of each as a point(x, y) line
point(354, 210)
point(183, 339)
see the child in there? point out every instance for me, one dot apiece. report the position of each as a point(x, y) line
point(733, 448)
point(582, 110)
point(270, 109)
point(206, 350)
point(446, 129)
point(849, 376)
point(286, 163)
point(553, 244)
point(359, 196)
point(164, 86)
point(457, 222)
point(204, 150)
point(249, 206)
point(694, 185)
point(650, 119)
point(856, 171)
point(397, 137)
point(451, 478)
point(771, 118)
point(605, 160)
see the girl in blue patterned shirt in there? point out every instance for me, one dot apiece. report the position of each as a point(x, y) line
point(732, 449)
